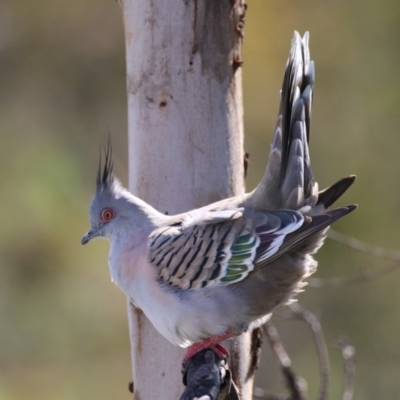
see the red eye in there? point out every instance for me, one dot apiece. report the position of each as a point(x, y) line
point(107, 215)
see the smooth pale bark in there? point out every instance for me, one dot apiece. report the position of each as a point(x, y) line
point(185, 122)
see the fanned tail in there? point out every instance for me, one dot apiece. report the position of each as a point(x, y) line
point(288, 180)
point(295, 178)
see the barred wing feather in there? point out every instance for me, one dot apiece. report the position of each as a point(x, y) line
point(223, 252)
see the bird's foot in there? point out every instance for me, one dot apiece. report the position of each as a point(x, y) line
point(211, 343)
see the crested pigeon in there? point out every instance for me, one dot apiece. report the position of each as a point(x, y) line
point(186, 271)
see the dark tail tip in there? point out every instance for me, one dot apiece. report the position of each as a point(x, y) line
point(329, 195)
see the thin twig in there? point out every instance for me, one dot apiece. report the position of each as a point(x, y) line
point(294, 384)
point(264, 394)
point(365, 275)
point(349, 356)
point(363, 247)
point(323, 357)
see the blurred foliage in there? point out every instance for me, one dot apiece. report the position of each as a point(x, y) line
point(63, 329)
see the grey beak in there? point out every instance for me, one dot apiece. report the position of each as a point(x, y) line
point(89, 236)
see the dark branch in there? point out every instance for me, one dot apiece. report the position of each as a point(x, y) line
point(206, 375)
point(294, 384)
point(319, 340)
point(246, 162)
point(255, 351)
point(364, 275)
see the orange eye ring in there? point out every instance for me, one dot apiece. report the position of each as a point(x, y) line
point(107, 215)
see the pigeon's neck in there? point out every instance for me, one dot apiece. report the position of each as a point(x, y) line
point(144, 214)
point(136, 224)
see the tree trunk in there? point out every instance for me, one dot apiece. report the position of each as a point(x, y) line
point(185, 141)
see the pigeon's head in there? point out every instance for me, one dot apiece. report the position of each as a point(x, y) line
point(112, 209)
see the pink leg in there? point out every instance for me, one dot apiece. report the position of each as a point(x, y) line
point(210, 343)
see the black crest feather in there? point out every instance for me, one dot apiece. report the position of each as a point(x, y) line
point(105, 176)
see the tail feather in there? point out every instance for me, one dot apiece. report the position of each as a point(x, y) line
point(296, 102)
point(288, 180)
point(304, 239)
point(309, 239)
point(329, 195)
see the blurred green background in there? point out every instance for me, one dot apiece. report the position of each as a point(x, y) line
point(63, 328)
